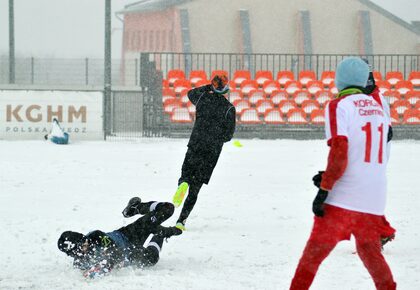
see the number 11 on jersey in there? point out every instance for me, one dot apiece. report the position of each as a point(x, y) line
point(368, 147)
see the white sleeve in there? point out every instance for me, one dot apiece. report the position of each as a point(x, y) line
point(336, 119)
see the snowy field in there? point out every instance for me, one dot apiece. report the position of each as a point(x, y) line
point(247, 230)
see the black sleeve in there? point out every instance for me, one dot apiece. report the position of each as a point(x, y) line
point(230, 123)
point(195, 94)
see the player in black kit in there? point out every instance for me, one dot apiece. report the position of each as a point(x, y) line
point(97, 253)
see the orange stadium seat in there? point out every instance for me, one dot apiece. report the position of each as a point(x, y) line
point(183, 96)
point(273, 116)
point(165, 84)
point(414, 78)
point(377, 75)
point(285, 76)
point(286, 106)
point(241, 105)
point(392, 96)
point(235, 95)
point(306, 76)
point(278, 96)
point(170, 104)
point(264, 105)
point(175, 74)
point(261, 76)
point(413, 97)
point(411, 117)
point(248, 85)
point(197, 76)
point(309, 105)
point(300, 96)
point(181, 84)
point(327, 78)
point(249, 116)
point(393, 77)
point(292, 86)
point(334, 90)
point(241, 75)
point(403, 87)
point(180, 115)
point(255, 96)
point(417, 106)
point(314, 87)
point(323, 97)
point(296, 116)
point(401, 106)
point(383, 86)
point(191, 108)
point(167, 94)
point(395, 118)
point(219, 72)
point(318, 117)
point(270, 86)
point(201, 83)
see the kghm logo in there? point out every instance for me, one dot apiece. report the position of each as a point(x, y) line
point(106, 241)
point(37, 113)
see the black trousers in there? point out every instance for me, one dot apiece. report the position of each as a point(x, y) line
point(199, 163)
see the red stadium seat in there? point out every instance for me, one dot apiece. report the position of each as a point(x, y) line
point(270, 86)
point(411, 117)
point(241, 75)
point(235, 95)
point(401, 106)
point(285, 76)
point(327, 78)
point(414, 78)
point(300, 96)
point(278, 96)
point(261, 76)
point(183, 96)
point(248, 85)
point(201, 83)
point(191, 108)
point(167, 94)
point(309, 105)
point(255, 96)
point(286, 106)
point(377, 75)
point(393, 77)
point(306, 76)
point(181, 84)
point(395, 118)
point(180, 115)
point(175, 74)
point(165, 84)
point(318, 117)
point(383, 86)
point(292, 86)
point(241, 105)
point(219, 72)
point(323, 97)
point(264, 105)
point(413, 97)
point(392, 96)
point(403, 87)
point(197, 76)
point(273, 116)
point(314, 87)
point(334, 90)
point(249, 116)
point(296, 116)
point(170, 104)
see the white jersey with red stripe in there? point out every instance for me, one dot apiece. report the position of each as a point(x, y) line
point(364, 122)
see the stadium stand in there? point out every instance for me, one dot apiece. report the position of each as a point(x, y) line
point(262, 76)
point(197, 77)
point(414, 78)
point(174, 75)
point(249, 116)
point(284, 77)
point(180, 115)
point(273, 116)
point(393, 77)
point(296, 116)
point(306, 76)
point(241, 75)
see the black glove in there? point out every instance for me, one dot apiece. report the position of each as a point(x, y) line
point(317, 179)
point(318, 203)
point(390, 134)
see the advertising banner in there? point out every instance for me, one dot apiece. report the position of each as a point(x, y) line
point(28, 114)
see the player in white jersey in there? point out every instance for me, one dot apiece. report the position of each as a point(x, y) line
point(352, 194)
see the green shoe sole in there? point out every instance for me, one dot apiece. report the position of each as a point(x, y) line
point(180, 194)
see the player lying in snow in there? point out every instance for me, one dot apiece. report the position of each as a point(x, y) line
point(97, 253)
point(57, 134)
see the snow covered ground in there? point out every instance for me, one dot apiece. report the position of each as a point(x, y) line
point(247, 230)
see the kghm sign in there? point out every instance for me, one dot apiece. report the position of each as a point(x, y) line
point(28, 114)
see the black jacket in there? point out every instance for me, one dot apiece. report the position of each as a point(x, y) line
point(215, 118)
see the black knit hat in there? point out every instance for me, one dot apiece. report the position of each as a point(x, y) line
point(68, 241)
